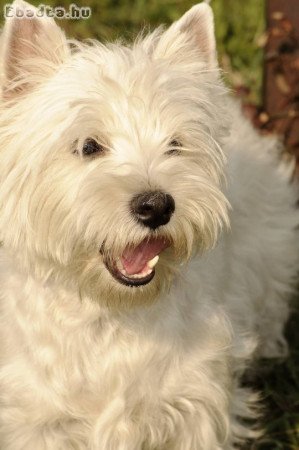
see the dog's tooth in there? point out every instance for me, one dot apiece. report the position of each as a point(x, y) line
point(151, 264)
point(138, 276)
point(134, 276)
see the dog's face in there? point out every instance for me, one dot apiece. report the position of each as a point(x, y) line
point(111, 167)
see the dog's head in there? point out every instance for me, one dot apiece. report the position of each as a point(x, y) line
point(111, 166)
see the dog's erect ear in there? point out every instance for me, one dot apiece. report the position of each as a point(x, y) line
point(195, 29)
point(32, 47)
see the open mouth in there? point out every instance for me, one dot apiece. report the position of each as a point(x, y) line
point(136, 266)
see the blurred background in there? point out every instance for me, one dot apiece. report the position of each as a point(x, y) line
point(258, 46)
point(240, 29)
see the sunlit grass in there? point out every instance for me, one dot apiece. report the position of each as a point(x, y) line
point(239, 26)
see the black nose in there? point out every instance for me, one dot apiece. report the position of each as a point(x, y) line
point(153, 209)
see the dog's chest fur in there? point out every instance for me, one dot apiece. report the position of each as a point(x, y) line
point(95, 373)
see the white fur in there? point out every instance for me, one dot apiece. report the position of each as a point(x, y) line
point(87, 363)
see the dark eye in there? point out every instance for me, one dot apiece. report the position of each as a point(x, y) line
point(92, 148)
point(174, 147)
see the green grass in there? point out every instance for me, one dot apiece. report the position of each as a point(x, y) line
point(239, 28)
point(279, 384)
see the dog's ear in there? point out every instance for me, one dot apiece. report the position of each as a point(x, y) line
point(32, 48)
point(195, 30)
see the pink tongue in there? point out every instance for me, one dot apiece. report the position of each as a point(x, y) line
point(134, 259)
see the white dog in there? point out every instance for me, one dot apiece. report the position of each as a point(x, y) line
point(148, 243)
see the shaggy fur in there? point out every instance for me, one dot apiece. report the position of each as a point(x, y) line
point(88, 363)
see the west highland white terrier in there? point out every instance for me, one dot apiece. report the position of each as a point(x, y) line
point(149, 245)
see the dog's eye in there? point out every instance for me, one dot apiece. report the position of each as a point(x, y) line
point(92, 148)
point(174, 147)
